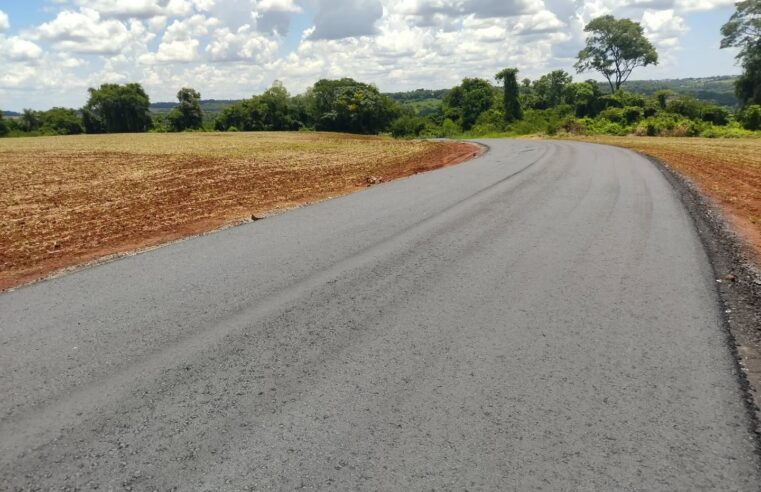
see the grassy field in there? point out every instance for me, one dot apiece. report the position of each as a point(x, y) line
point(727, 170)
point(68, 200)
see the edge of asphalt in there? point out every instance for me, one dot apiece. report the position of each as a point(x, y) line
point(483, 149)
point(738, 286)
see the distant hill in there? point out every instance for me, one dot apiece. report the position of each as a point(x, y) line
point(423, 101)
point(210, 107)
point(719, 90)
point(11, 114)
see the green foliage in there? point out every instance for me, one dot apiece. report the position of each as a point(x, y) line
point(29, 121)
point(187, 115)
point(511, 105)
point(583, 96)
point(632, 114)
point(450, 129)
point(750, 117)
point(465, 102)
point(114, 108)
point(743, 30)
point(61, 121)
point(274, 110)
point(408, 126)
point(346, 105)
point(614, 115)
point(281, 112)
point(551, 89)
point(748, 85)
point(246, 115)
point(615, 48)
point(3, 126)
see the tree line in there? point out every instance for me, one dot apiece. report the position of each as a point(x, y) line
point(614, 48)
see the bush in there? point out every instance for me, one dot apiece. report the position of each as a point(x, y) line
point(731, 130)
point(715, 114)
point(750, 117)
point(684, 106)
point(632, 114)
point(615, 115)
point(450, 129)
point(407, 126)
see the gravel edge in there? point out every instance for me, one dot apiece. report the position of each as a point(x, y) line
point(738, 285)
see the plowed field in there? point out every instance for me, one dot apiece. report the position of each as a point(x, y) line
point(69, 200)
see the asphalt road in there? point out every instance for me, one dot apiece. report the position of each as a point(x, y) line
point(543, 317)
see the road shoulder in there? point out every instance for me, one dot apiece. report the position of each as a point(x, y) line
point(738, 284)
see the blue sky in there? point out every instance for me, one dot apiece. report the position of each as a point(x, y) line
point(51, 51)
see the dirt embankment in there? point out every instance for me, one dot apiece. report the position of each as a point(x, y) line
point(69, 201)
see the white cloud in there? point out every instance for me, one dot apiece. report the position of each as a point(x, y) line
point(338, 19)
point(663, 27)
point(244, 44)
point(5, 23)
point(18, 49)
point(179, 43)
point(276, 6)
point(85, 32)
point(144, 9)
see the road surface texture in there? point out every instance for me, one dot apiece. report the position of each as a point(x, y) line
point(541, 318)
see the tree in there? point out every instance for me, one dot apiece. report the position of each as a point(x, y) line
point(3, 127)
point(187, 115)
point(29, 120)
point(346, 105)
point(582, 96)
point(281, 111)
point(247, 116)
point(750, 117)
point(551, 89)
point(511, 98)
point(615, 48)
point(743, 30)
point(114, 108)
point(465, 102)
point(61, 121)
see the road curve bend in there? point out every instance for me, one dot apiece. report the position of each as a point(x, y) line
point(541, 318)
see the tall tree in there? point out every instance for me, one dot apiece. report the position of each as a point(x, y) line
point(346, 105)
point(3, 126)
point(29, 120)
point(114, 108)
point(511, 101)
point(465, 102)
point(743, 30)
point(615, 48)
point(551, 88)
point(187, 115)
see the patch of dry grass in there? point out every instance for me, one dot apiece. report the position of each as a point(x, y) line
point(66, 200)
point(727, 170)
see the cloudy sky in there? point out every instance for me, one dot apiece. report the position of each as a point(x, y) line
point(51, 51)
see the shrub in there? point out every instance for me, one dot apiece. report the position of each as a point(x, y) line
point(731, 130)
point(632, 114)
point(407, 126)
point(616, 115)
point(449, 129)
point(715, 114)
point(750, 117)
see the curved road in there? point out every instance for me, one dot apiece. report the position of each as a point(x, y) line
point(543, 317)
